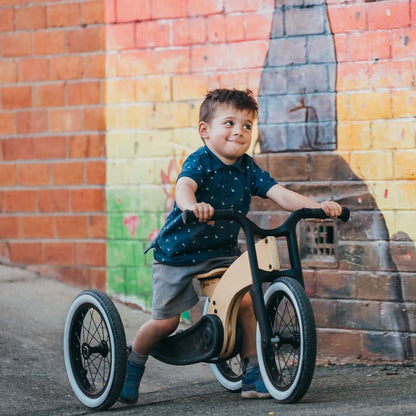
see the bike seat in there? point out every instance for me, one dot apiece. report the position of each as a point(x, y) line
point(211, 274)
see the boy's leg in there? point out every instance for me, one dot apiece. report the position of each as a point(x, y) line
point(252, 383)
point(146, 338)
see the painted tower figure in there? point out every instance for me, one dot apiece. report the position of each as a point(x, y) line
point(298, 124)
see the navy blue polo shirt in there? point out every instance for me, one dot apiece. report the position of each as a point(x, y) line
point(222, 186)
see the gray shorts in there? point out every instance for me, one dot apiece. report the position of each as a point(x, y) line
point(173, 289)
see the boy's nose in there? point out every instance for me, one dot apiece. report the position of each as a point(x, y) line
point(237, 129)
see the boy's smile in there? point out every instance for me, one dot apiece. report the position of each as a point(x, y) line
point(228, 135)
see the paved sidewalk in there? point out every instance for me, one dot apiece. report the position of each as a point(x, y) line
point(33, 379)
point(32, 316)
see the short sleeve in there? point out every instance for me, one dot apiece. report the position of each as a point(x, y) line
point(261, 181)
point(193, 168)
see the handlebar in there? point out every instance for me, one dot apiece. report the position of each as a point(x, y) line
point(229, 214)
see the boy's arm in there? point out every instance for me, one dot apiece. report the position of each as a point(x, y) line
point(185, 199)
point(291, 201)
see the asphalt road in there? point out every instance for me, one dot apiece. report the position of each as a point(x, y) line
point(33, 379)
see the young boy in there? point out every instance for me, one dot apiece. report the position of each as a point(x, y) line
point(218, 175)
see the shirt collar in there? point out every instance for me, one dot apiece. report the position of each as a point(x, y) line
point(219, 164)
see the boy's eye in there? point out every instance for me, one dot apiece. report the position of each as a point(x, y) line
point(229, 123)
point(247, 126)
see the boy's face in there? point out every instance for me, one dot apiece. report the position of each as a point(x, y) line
point(228, 134)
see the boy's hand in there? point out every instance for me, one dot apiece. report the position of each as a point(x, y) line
point(203, 212)
point(331, 208)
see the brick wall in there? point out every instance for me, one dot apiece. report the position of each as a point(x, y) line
point(52, 143)
point(98, 108)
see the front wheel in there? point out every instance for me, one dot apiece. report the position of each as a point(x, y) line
point(95, 349)
point(287, 367)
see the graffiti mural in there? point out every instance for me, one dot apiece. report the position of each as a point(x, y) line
point(298, 113)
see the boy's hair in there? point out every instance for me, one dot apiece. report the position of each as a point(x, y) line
point(241, 100)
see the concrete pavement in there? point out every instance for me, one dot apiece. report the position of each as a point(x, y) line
point(33, 380)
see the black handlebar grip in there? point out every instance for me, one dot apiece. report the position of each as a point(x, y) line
point(345, 214)
point(188, 216)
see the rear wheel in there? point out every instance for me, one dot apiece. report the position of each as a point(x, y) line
point(228, 373)
point(95, 349)
point(287, 367)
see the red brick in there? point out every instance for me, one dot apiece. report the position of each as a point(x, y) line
point(50, 147)
point(9, 227)
point(66, 67)
point(216, 28)
point(71, 226)
point(71, 173)
point(189, 31)
point(340, 344)
point(31, 121)
point(205, 7)
point(94, 118)
point(65, 120)
point(96, 172)
point(136, 62)
point(38, 227)
point(369, 45)
point(6, 20)
point(87, 200)
point(29, 18)
point(83, 93)
point(49, 42)
point(7, 123)
point(258, 25)
point(243, 5)
point(8, 72)
point(346, 18)
point(16, 97)
point(53, 200)
point(353, 76)
point(236, 30)
point(97, 227)
point(62, 15)
point(210, 57)
point(341, 43)
point(8, 176)
point(132, 10)
point(150, 34)
point(15, 149)
point(91, 254)
point(413, 13)
point(58, 253)
point(49, 95)
point(26, 253)
point(403, 43)
point(79, 277)
point(120, 36)
point(92, 12)
point(84, 146)
point(84, 40)
point(388, 15)
point(254, 54)
point(16, 44)
point(392, 74)
point(33, 174)
point(33, 70)
point(95, 66)
point(109, 11)
point(175, 8)
point(99, 279)
point(19, 201)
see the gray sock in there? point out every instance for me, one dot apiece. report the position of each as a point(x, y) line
point(138, 358)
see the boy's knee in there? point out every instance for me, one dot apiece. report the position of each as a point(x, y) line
point(246, 303)
point(165, 327)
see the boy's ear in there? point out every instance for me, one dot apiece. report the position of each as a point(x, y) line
point(203, 130)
